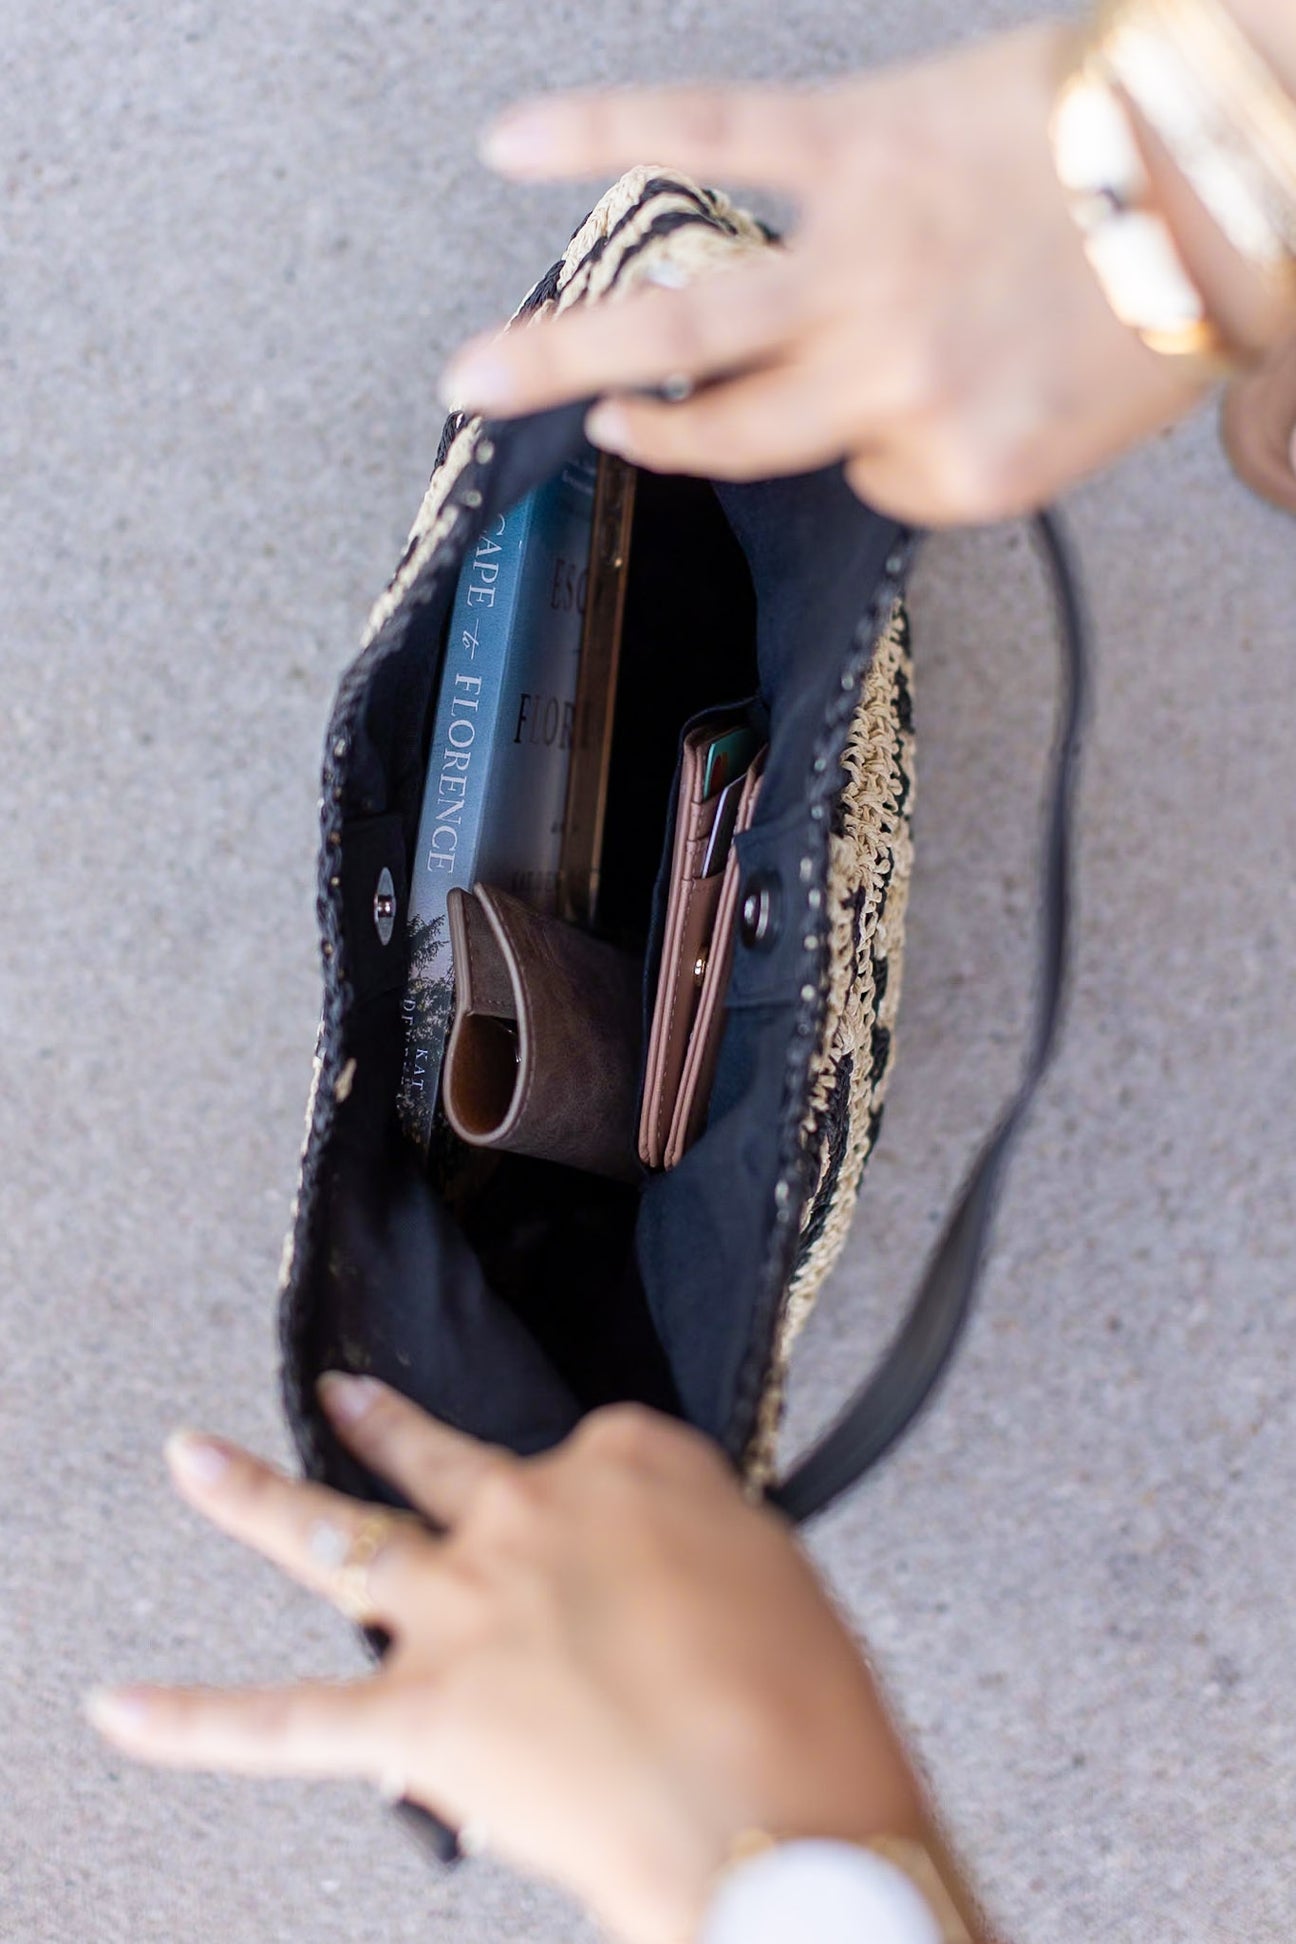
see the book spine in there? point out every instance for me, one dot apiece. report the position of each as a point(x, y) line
point(521, 836)
point(459, 760)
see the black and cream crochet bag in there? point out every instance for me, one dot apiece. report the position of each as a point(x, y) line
point(512, 1313)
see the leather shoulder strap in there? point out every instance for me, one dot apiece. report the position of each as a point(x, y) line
point(897, 1390)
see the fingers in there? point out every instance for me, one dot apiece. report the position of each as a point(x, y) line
point(775, 421)
point(905, 478)
point(727, 319)
point(634, 1437)
point(306, 1529)
point(310, 1728)
point(772, 135)
point(438, 1469)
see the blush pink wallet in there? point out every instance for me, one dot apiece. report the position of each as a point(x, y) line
point(697, 950)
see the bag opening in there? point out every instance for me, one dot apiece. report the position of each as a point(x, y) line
point(513, 1263)
point(530, 1293)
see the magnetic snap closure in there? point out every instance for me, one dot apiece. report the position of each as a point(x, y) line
point(369, 862)
point(762, 911)
point(384, 909)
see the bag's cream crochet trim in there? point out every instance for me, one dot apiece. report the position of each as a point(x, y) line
point(870, 856)
point(620, 222)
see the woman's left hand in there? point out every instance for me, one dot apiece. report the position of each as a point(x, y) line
point(931, 321)
point(605, 1658)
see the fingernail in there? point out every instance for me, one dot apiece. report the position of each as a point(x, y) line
point(200, 1460)
point(518, 142)
point(347, 1397)
point(482, 382)
point(668, 275)
point(116, 1710)
point(606, 426)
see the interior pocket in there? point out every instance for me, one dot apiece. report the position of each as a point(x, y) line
point(688, 645)
point(556, 1245)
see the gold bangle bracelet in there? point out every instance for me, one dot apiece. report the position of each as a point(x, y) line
point(1233, 70)
point(1220, 115)
point(1129, 245)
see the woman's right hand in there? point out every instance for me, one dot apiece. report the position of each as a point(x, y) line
point(608, 1659)
point(932, 320)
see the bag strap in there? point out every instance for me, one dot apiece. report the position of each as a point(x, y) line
point(892, 1396)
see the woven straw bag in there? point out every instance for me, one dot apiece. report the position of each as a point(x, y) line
point(687, 1290)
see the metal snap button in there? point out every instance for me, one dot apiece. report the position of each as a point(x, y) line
point(762, 911)
point(385, 907)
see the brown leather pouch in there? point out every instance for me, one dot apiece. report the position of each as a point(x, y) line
point(543, 1056)
point(687, 1013)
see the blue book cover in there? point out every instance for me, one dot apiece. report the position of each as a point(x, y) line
point(497, 764)
point(520, 844)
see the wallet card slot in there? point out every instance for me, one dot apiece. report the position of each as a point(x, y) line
point(685, 909)
point(747, 712)
point(675, 1011)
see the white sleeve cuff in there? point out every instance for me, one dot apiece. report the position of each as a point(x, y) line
point(818, 1892)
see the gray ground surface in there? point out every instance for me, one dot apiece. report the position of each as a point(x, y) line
point(237, 242)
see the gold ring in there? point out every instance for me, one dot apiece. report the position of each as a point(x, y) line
point(351, 1581)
